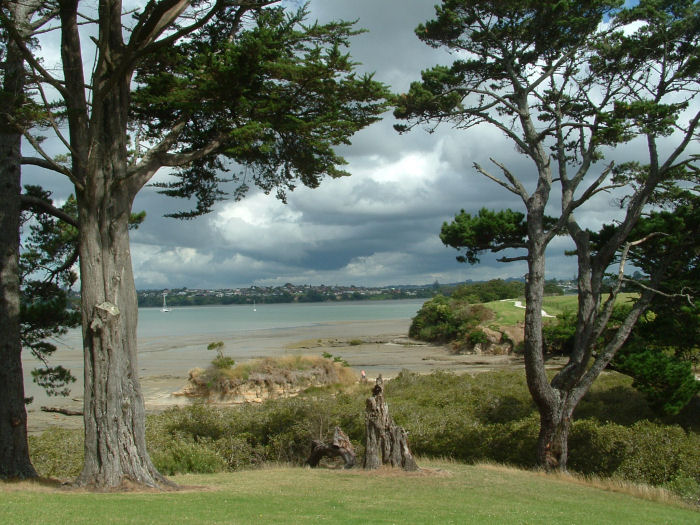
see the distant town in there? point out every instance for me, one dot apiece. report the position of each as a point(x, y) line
point(290, 293)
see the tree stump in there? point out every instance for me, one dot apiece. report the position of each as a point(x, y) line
point(387, 443)
point(340, 447)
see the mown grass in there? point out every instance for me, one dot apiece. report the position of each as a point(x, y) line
point(508, 314)
point(444, 492)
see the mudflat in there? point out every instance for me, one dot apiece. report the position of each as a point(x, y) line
point(378, 347)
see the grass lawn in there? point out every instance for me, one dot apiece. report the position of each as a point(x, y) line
point(508, 314)
point(445, 492)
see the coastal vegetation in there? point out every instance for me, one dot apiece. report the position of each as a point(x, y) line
point(267, 377)
point(486, 417)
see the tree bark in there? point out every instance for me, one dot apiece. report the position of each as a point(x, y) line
point(14, 450)
point(386, 443)
point(114, 414)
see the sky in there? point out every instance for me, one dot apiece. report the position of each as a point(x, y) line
point(378, 227)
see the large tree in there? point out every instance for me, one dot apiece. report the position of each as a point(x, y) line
point(27, 17)
point(207, 86)
point(566, 82)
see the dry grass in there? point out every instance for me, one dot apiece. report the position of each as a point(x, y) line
point(637, 490)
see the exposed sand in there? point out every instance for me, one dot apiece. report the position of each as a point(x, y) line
point(164, 363)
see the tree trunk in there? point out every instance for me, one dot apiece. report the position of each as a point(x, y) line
point(14, 451)
point(553, 439)
point(114, 414)
point(554, 426)
point(386, 443)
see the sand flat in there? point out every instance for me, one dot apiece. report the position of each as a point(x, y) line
point(378, 347)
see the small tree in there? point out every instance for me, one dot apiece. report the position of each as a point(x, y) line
point(220, 361)
point(562, 87)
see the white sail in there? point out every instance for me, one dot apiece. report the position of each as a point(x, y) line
point(165, 306)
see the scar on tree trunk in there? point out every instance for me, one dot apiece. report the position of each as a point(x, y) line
point(340, 447)
point(387, 443)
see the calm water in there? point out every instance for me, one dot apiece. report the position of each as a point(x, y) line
point(196, 320)
point(240, 319)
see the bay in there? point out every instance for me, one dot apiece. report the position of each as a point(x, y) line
point(213, 320)
point(172, 343)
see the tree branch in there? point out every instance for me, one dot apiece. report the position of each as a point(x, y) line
point(496, 179)
point(512, 179)
point(46, 164)
point(29, 202)
point(688, 297)
point(512, 259)
point(29, 57)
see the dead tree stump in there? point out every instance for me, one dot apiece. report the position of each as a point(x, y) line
point(387, 444)
point(340, 447)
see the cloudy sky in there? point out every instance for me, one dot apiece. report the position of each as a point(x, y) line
point(379, 226)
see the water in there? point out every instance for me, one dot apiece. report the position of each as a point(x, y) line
point(172, 343)
point(219, 320)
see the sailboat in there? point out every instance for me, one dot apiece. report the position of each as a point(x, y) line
point(165, 306)
point(254, 309)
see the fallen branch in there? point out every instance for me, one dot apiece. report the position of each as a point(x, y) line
point(64, 411)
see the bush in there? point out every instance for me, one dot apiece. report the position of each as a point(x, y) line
point(187, 455)
point(444, 320)
point(57, 453)
point(477, 337)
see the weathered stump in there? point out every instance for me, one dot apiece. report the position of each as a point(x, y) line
point(340, 447)
point(387, 443)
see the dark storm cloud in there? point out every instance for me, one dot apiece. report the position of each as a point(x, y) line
point(378, 226)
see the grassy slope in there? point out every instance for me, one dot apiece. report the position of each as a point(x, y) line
point(508, 314)
point(446, 493)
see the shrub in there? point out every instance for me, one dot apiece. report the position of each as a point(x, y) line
point(187, 455)
point(57, 453)
point(489, 416)
point(444, 320)
point(477, 337)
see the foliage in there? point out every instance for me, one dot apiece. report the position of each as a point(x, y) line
point(57, 453)
point(443, 319)
point(489, 230)
point(667, 381)
point(648, 356)
point(337, 358)
point(558, 336)
point(477, 337)
point(284, 92)
point(493, 290)
point(220, 361)
point(48, 254)
point(487, 417)
point(296, 371)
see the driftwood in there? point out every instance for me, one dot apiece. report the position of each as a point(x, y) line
point(64, 411)
point(340, 447)
point(387, 443)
